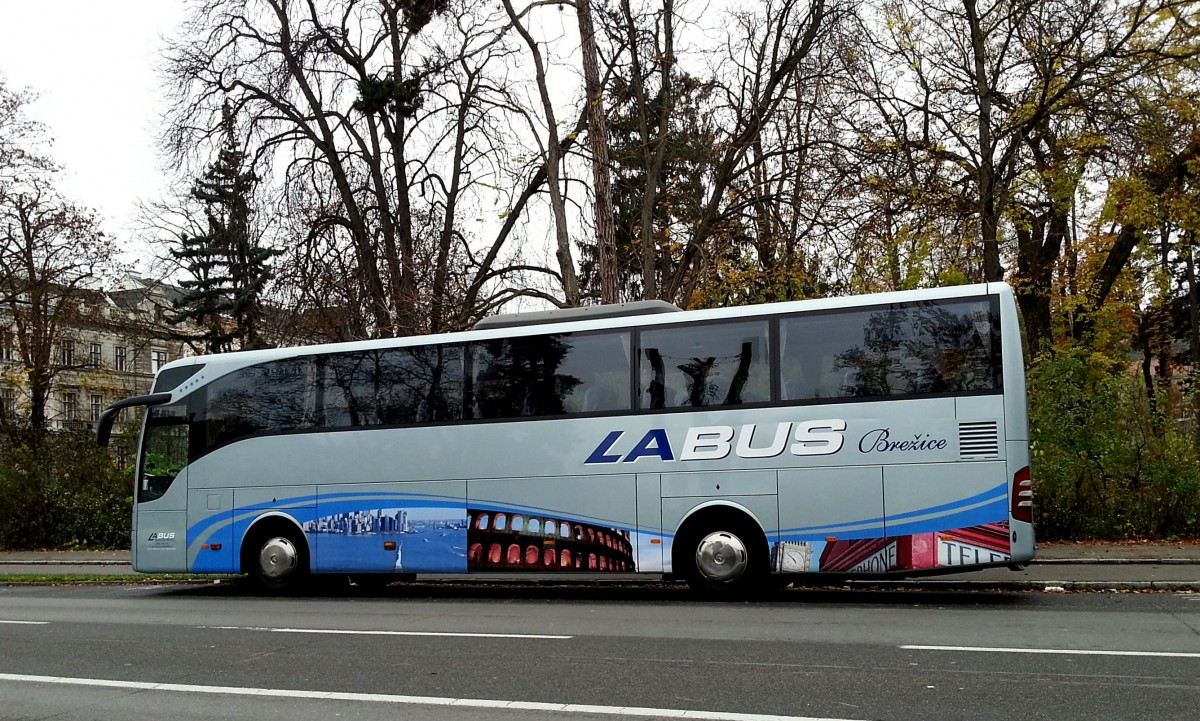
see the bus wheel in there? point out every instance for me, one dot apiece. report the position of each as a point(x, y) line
point(280, 561)
point(723, 559)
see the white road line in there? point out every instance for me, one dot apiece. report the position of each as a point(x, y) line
point(27, 623)
point(561, 708)
point(335, 631)
point(1054, 651)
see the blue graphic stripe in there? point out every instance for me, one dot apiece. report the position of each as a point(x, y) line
point(992, 495)
point(298, 503)
point(990, 505)
point(303, 509)
point(992, 512)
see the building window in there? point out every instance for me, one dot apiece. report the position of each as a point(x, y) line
point(70, 406)
point(158, 359)
point(8, 402)
point(96, 355)
point(97, 406)
point(7, 345)
point(121, 358)
point(68, 353)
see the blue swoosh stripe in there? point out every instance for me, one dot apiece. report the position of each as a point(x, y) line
point(991, 504)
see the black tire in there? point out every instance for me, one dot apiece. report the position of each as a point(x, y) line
point(722, 557)
point(276, 559)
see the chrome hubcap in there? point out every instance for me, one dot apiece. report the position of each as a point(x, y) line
point(721, 557)
point(278, 558)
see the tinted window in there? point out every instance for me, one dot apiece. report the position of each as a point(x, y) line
point(899, 350)
point(706, 365)
point(550, 375)
point(265, 398)
point(392, 386)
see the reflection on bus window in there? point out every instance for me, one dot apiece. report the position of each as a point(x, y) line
point(263, 398)
point(548, 375)
point(712, 365)
point(391, 386)
point(914, 349)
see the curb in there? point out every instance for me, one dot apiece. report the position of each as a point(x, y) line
point(1041, 586)
point(66, 563)
point(1116, 561)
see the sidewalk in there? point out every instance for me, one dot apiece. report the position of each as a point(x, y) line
point(1058, 567)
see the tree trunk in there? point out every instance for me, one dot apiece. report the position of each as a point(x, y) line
point(653, 128)
point(606, 244)
point(985, 174)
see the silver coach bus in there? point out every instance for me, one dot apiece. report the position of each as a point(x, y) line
point(732, 448)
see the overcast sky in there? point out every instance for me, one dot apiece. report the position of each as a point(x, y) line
point(92, 64)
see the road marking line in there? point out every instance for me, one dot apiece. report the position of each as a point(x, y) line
point(27, 623)
point(451, 634)
point(409, 700)
point(1055, 651)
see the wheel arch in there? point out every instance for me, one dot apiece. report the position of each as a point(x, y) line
point(274, 522)
point(711, 513)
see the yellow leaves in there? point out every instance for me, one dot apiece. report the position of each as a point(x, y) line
point(1131, 202)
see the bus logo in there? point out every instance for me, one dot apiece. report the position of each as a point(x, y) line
point(162, 536)
point(713, 443)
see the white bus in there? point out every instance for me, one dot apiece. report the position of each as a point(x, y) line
point(732, 448)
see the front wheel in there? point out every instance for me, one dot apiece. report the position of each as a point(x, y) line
point(280, 562)
point(727, 560)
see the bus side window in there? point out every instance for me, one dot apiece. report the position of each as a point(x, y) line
point(548, 375)
point(594, 375)
point(805, 360)
point(894, 351)
point(722, 364)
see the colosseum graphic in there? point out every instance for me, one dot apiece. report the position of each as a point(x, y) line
point(516, 541)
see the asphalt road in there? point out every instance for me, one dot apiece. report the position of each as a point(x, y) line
point(579, 653)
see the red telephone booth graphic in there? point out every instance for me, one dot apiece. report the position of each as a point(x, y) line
point(977, 545)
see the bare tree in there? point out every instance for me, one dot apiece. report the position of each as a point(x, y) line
point(336, 88)
point(651, 55)
point(51, 251)
point(554, 156)
point(766, 61)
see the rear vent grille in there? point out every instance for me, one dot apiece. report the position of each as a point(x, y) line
point(978, 439)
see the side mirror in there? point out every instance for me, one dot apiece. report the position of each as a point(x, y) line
point(109, 416)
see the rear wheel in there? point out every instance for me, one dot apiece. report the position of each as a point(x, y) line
point(722, 556)
point(277, 560)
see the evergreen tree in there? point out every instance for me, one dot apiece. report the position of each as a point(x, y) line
point(229, 269)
